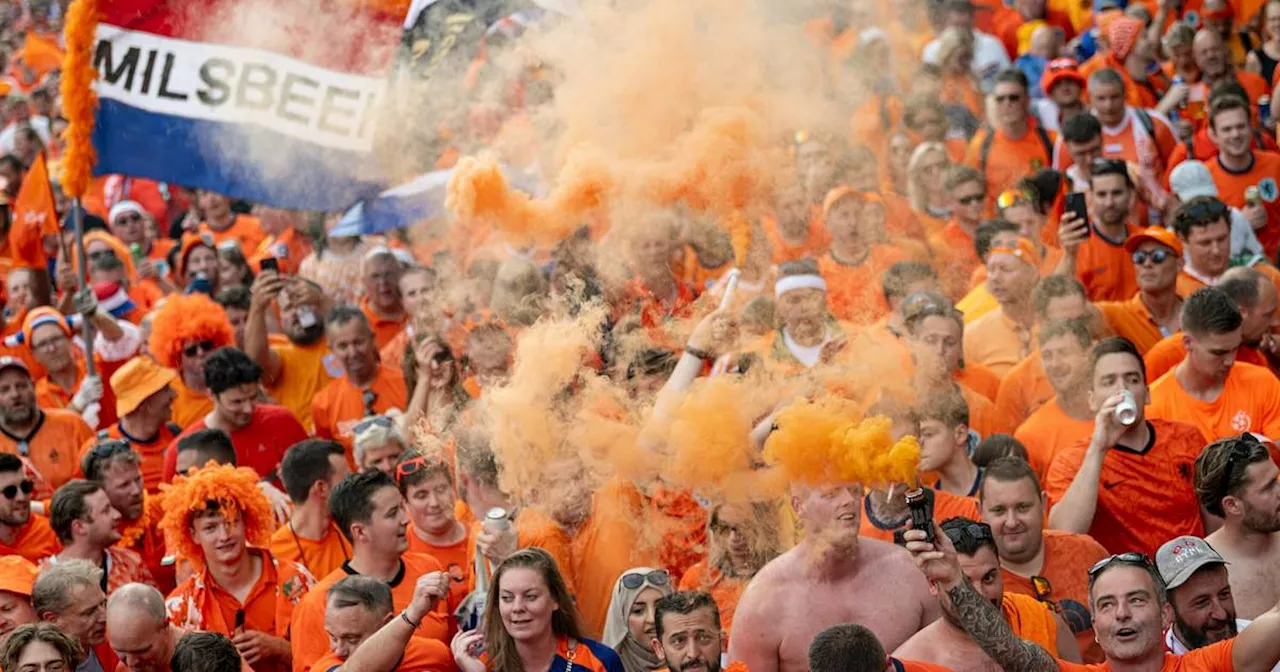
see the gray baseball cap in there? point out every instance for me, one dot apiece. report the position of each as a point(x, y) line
point(1181, 557)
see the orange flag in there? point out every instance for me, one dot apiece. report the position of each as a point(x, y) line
point(41, 53)
point(34, 229)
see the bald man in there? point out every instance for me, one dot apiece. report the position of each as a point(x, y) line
point(139, 630)
point(1213, 56)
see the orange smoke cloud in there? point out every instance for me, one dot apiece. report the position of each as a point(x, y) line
point(820, 442)
point(709, 435)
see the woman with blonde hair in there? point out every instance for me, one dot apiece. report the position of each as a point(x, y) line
point(629, 627)
point(530, 624)
point(955, 58)
point(925, 171)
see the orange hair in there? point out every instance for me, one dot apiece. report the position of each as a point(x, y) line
point(235, 492)
point(182, 319)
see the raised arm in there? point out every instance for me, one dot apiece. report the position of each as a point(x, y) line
point(384, 648)
point(1074, 513)
point(266, 287)
point(1257, 647)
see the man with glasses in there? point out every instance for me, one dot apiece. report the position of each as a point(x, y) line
point(66, 383)
point(1016, 145)
point(1154, 312)
point(20, 532)
point(1095, 248)
point(1129, 486)
point(944, 643)
point(366, 386)
point(955, 244)
point(1046, 564)
point(1129, 604)
point(310, 470)
point(1236, 480)
point(1213, 388)
point(48, 438)
point(85, 522)
point(70, 596)
point(370, 512)
point(260, 432)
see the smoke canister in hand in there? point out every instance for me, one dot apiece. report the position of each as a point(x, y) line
point(921, 508)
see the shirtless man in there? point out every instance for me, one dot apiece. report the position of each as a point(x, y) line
point(945, 643)
point(830, 577)
point(1237, 480)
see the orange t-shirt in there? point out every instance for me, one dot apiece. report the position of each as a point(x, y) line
point(384, 328)
point(52, 446)
point(853, 291)
point(1009, 159)
point(420, 655)
point(1105, 269)
point(457, 558)
point(189, 406)
point(984, 417)
point(1032, 620)
point(35, 541)
point(997, 342)
point(392, 354)
point(1047, 432)
point(1131, 320)
point(340, 405)
point(1249, 402)
point(150, 451)
point(305, 370)
point(1024, 389)
point(320, 557)
point(1212, 658)
point(945, 505)
point(1170, 351)
point(815, 246)
point(725, 590)
point(245, 230)
point(288, 249)
point(1262, 174)
point(1144, 498)
point(980, 379)
point(607, 545)
point(1067, 559)
point(307, 634)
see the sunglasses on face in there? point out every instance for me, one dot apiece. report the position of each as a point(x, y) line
point(634, 580)
point(198, 348)
point(1157, 257)
point(376, 421)
point(1130, 558)
point(11, 491)
point(129, 218)
point(101, 254)
point(1010, 98)
point(970, 200)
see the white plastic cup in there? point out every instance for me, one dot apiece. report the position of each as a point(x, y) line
point(1127, 410)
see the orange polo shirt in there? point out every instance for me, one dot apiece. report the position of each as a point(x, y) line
point(150, 450)
point(1145, 497)
point(1131, 320)
point(384, 328)
point(305, 370)
point(1249, 402)
point(607, 545)
point(320, 557)
point(1047, 432)
point(1024, 389)
point(340, 404)
point(1169, 352)
point(35, 541)
point(1262, 174)
point(1105, 269)
point(245, 230)
point(189, 406)
point(997, 342)
point(52, 446)
point(420, 655)
point(853, 291)
point(458, 559)
point(307, 635)
point(945, 505)
point(1009, 159)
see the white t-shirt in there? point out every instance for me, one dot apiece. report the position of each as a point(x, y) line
point(806, 354)
point(989, 58)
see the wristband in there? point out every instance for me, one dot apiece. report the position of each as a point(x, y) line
point(700, 354)
point(405, 616)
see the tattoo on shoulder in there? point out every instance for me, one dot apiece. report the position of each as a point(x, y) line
point(987, 627)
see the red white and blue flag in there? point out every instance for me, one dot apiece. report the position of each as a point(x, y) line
point(274, 102)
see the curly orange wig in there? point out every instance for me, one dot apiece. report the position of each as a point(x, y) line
point(233, 489)
point(184, 319)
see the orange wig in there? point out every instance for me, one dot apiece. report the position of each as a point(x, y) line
point(184, 319)
point(234, 490)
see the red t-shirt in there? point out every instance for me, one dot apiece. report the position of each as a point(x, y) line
point(260, 445)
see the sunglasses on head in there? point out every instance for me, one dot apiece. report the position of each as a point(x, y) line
point(1009, 198)
point(11, 491)
point(416, 464)
point(1240, 451)
point(369, 423)
point(978, 531)
point(201, 347)
point(1130, 558)
point(634, 580)
point(1156, 256)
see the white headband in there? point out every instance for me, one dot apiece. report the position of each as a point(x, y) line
point(791, 282)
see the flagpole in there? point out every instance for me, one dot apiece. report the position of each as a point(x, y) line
point(79, 103)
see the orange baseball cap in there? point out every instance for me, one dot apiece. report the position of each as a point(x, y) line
point(1158, 234)
point(17, 574)
point(1025, 251)
point(138, 379)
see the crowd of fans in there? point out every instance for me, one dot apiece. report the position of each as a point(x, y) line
point(252, 438)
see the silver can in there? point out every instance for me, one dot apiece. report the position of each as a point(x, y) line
point(497, 519)
point(1127, 410)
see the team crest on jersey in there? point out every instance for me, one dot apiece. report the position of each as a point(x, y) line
point(1241, 421)
point(1267, 189)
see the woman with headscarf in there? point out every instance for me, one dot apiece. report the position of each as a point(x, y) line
point(629, 626)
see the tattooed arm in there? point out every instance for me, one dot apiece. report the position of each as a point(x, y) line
point(981, 620)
